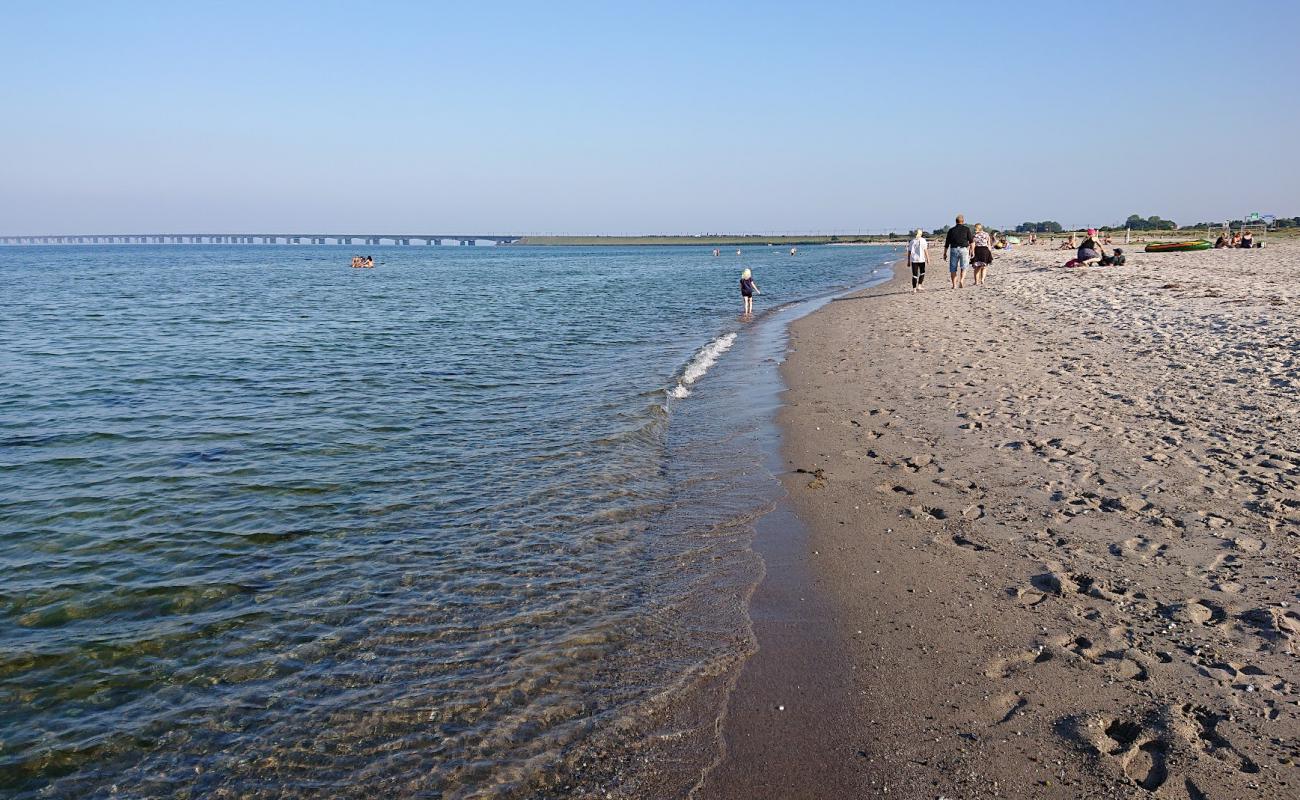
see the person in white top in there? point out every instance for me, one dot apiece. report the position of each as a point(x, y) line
point(918, 255)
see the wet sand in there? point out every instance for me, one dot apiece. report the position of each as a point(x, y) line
point(1048, 539)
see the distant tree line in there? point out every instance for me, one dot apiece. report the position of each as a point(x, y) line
point(1047, 226)
point(1135, 222)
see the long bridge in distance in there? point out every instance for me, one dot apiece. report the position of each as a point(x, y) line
point(259, 238)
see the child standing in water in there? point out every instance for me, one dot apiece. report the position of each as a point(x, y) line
point(747, 290)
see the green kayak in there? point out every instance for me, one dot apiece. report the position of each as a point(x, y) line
point(1178, 247)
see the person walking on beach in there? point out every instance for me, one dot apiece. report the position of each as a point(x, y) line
point(917, 255)
point(957, 249)
point(981, 253)
point(747, 290)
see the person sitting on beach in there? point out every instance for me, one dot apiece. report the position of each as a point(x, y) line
point(982, 255)
point(1220, 242)
point(1247, 240)
point(957, 250)
point(1236, 239)
point(747, 290)
point(1069, 244)
point(918, 254)
point(1090, 252)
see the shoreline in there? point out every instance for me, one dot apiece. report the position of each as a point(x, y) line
point(784, 683)
point(1046, 533)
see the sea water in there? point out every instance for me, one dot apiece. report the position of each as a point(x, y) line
point(473, 523)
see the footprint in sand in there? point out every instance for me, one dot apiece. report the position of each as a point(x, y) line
point(926, 513)
point(1006, 706)
point(1196, 612)
point(1138, 547)
point(895, 489)
point(961, 540)
point(1006, 666)
point(1135, 749)
point(1201, 724)
point(1279, 626)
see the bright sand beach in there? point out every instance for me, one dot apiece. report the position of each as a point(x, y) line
point(1053, 521)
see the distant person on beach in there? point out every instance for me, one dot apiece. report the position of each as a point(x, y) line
point(957, 250)
point(1220, 242)
point(1236, 239)
point(981, 253)
point(1090, 252)
point(917, 255)
point(1247, 240)
point(1069, 244)
point(747, 290)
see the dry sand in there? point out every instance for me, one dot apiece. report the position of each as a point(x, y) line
point(1055, 520)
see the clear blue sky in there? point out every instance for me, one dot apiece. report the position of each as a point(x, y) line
point(612, 117)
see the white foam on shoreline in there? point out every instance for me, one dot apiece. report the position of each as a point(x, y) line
point(699, 365)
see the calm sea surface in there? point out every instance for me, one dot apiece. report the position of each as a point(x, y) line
point(473, 523)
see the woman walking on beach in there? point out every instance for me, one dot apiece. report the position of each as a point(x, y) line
point(982, 255)
point(918, 255)
point(747, 290)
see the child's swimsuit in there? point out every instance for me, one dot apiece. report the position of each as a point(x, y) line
point(746, 287)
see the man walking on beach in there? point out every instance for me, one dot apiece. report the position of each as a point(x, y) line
point(957, 249)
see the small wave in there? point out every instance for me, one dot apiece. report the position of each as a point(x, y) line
point(699, 365)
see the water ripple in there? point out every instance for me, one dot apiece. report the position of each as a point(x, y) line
point(270, 527)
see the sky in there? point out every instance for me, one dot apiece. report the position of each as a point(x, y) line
point(631, 118)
